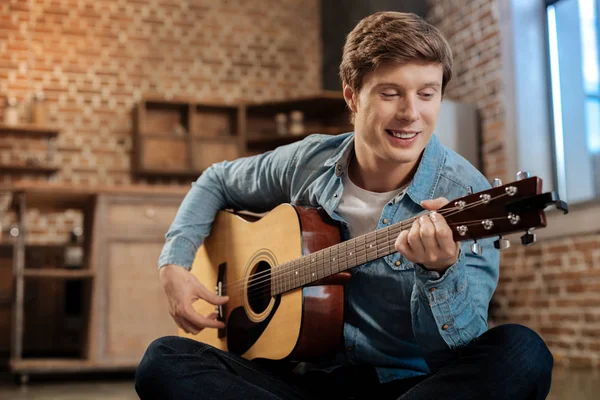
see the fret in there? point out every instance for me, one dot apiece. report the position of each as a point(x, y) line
point(352, 253)
point(306, 271)
point(342, 256)
point(298, 275)
point(327, 260)
point(311, 271)
point(318, 257)
point(288, 279)
point(305, 274)
point(335, 259)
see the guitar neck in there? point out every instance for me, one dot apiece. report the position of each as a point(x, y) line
point(517, 206)
point(332, 260)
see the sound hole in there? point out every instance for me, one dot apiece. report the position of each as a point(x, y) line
point(259, 287)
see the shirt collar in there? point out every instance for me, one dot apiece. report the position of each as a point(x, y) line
point(341, 157)
point(428, 173)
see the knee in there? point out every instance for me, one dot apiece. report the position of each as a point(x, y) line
point(526, 352)
point(151, 366)
point(155, 367)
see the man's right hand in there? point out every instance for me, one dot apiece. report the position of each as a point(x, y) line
point(183, 289)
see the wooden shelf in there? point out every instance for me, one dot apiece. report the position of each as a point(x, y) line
point(273, 140)
point(166, 173)
point(28, 169)
point(59, 273)
point(30, 130)
point(323, 104)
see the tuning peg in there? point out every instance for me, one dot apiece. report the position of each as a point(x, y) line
point(476, 248)
point(528, 238)
point(497, 182)
point(501, 243)
point(522, 175)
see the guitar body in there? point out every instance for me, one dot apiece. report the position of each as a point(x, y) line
point(301, 324)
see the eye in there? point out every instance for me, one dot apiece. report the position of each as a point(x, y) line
point(389, 94)
point(427, 95)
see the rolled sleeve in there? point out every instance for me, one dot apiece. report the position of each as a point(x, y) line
point(179, 251)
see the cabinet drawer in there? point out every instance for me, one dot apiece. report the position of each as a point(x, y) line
point(143, 218)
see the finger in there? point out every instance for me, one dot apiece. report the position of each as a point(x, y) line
point(434, 204)
point(188, 327)
point(200, 321)
point(414, 239)
point(443, 233)
point(428, 236)
point(402, 245)
point(209, 296)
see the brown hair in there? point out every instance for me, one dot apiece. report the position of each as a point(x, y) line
point(392, 36)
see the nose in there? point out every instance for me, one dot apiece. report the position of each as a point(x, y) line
point(407, 109)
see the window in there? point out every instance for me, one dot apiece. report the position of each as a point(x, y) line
point(573, 50)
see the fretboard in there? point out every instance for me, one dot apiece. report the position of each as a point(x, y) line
point(341, 257)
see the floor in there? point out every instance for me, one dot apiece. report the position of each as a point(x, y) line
point(566, 385)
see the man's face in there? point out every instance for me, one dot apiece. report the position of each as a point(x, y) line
point(396, 112)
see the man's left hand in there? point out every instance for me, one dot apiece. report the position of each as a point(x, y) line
point(429, 241)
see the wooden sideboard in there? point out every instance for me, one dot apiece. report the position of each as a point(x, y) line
point(124, 307)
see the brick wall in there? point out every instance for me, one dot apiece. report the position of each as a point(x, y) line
point(94, 59)
point(552, 286)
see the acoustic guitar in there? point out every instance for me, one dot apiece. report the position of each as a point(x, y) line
point(284, 271)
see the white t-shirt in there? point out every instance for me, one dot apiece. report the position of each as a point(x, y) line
point(361, 209)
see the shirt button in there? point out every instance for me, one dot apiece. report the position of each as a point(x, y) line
point(398, 263)
point(444, 327)
point(385, 220)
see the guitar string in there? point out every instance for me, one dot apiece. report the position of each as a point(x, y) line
point(262, 290)
point(267, 282)
point(284, 272)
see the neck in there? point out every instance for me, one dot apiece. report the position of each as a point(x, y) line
point(378, 176)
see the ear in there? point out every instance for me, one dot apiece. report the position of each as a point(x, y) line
point(349, 96)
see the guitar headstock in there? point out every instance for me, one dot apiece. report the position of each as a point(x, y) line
point(504, 209)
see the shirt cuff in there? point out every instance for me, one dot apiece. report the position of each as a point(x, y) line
point(179, 251)
point(438, 288)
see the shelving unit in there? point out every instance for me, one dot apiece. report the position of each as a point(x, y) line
point(121, 309)
point(26, 279)
point(178, 138)
point(212, 132)
point(32, 166)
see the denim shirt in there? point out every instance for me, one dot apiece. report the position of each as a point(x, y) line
point(397, 314)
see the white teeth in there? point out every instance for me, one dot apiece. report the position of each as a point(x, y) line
point(403, 135)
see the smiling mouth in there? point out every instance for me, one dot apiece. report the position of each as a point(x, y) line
point(401, 135)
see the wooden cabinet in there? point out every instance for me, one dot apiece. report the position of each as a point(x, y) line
point(123, 305)
point(130, 307)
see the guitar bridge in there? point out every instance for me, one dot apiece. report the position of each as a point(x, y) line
point(220, 289)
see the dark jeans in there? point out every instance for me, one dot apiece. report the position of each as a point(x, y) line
point(507, 362)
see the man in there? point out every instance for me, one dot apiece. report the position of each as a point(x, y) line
point(415, 321)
